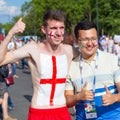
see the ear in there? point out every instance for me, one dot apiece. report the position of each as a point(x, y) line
point(43, 29)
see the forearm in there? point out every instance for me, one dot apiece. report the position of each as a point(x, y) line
point(116, 97)
point(17, 28)
point(3, 46)
point(72, 100)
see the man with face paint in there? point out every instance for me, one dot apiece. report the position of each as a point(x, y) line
point(49, 63)
point(93, 82)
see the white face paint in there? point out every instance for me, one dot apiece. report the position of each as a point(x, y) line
point(62, 33)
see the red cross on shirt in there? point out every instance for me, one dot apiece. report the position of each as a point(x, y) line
point(53, 81)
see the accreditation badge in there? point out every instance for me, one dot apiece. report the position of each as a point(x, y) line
point(90, 109)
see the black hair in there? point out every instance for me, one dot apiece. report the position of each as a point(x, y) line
point(84, 25)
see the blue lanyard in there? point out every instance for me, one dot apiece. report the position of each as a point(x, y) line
point(95, 69)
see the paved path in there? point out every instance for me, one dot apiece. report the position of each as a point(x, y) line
point(21, 93)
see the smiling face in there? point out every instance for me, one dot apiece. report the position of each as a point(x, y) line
point(54, 31)
point(88, 43)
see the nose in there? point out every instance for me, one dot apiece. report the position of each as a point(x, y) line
point(89, 41)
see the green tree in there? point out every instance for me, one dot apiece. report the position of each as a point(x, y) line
point(72, 9)
point(109, 15)
point(107, 18)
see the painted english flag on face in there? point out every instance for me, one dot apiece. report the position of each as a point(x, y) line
point(50, 34)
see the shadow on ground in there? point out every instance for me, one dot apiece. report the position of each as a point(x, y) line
point(28, 97)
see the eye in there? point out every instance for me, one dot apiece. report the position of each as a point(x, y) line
point(53, 28)
point(86, 39)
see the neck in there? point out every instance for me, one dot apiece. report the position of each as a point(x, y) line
point(88, 58)
point(53, 49)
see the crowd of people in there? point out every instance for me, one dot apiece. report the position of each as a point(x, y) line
point(111, 45)
point(68, 73)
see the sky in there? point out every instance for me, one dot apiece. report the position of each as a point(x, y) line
point(9, 9)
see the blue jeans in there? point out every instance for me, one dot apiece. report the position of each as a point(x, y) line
point(24, 63)
point(13, 65)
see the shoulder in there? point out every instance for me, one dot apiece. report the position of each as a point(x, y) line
point(30, 44)
point(66, 46)
point(75, 62)
point(74, 66)
point(67, 49)
point(107, 56)
point(29, 48)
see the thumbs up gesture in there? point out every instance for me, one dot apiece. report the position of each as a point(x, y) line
point(18, 27)
point(85, 94)
point(108, 98)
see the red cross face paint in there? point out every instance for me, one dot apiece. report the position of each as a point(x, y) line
point(50, 34)
point(55, 35)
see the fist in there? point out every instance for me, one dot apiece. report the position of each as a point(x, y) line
point(19, 27)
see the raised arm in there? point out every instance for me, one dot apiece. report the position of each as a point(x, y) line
point(19, 27)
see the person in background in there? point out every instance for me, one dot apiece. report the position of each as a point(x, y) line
point(110, 44)
point(23, 62)
point(104, 43)
point(10, 102)
point(116, 50)
point(11, 47)
point(31, 39)
point(4, 93)
point(49, 64)
point(18, 43)
point(93, 85)
point(70, 39)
